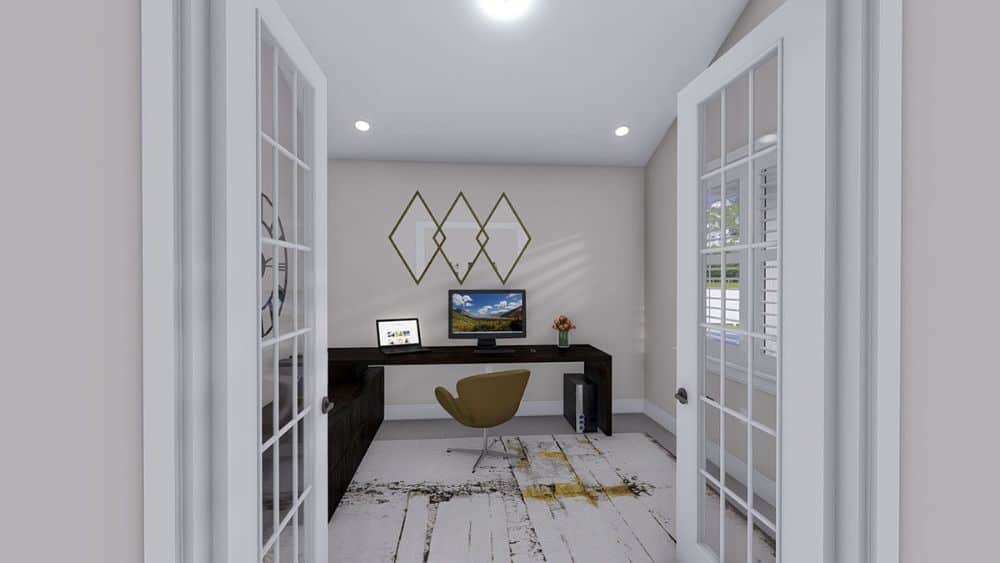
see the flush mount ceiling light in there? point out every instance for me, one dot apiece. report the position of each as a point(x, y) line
point(621, 130)
point(505, 10)
point(362, 125)
point(768, 139)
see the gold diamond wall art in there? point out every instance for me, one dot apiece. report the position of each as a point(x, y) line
point(460, 238)
point(416, 237)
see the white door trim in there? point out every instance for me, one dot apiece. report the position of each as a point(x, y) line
point(161, 367)
point(175, 279)
point(887, 195)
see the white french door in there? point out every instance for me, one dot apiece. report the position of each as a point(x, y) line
point(754, 310)
point(271, 223)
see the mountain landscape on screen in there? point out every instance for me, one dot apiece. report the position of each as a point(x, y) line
point(487, 312)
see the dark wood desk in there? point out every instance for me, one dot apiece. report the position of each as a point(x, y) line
point(348, 362)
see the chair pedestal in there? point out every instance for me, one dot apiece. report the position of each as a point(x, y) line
point(485, 451)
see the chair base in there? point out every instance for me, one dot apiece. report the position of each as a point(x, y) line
point(483, 452)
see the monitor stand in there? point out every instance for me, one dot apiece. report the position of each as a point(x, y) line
point(489, 346)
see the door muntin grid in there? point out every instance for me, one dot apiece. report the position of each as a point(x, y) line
point(285, 235)
point(739, 329)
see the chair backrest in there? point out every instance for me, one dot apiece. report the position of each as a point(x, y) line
point(490, 399)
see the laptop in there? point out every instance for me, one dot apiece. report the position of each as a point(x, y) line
point(399, 336)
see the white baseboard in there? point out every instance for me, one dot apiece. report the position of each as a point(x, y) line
point(660, 416)
point(433, 411)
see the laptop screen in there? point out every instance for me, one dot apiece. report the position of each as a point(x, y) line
point(398, 332)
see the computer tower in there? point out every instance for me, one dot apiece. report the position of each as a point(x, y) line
point(580, 402)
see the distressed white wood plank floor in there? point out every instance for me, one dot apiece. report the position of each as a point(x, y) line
point(574, 498)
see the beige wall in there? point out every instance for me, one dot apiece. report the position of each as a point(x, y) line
point(951, 264)
point(584, 260)
point(661, 240)
point(69, 153)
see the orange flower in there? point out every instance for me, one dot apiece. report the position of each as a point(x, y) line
point(563, 323)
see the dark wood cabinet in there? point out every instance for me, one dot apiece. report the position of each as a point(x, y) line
point(358, 409)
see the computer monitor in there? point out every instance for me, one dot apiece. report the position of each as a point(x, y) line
point(487, 314)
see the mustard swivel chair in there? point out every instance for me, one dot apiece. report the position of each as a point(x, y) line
point(485, 401)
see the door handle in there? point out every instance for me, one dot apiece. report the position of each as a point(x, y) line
point(682, 396)
point(327, 405)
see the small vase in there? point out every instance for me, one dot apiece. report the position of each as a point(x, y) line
point(564, 339)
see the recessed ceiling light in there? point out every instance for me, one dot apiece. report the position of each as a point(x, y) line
point(621, 131)
point(768, 139)
point(362, 125)
point(505, 10)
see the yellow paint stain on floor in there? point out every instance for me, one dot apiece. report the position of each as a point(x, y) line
point(559, 456)
point(551, 493)
point(618, 491)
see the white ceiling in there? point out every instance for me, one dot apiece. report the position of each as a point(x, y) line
point(440, 81)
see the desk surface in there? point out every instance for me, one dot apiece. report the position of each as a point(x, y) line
point(522, 354)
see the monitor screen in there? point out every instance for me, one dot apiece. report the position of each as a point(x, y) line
point(398, 332)
point(490, 314)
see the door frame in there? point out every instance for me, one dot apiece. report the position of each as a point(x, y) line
point(866, 526)
point(178, 409)
point(173, 92)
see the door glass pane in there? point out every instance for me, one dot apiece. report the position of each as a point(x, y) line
point(765, 382)
point(733, 276)
point(301, 149)
point(735, 181)
point(738, 118)
point(286, 473)
point(286, 380)
point(708, 533)
point(712, 268)
point(765, 470)
point(765, 272)
point(765, 207)
point(711, 423)
point(286, 544)
point(305, 360)
point(268, 374)
point(711, 198)
point(300, 481)
point(735, 478)
point(300, 539)
point(266, 290)
point(286, 78)
point(740, 224)
point(711, 137)
point(267, 495)
point(280, 315)
point(736, 533)
point(765, 104)
point(736, 372)
point(285, 203)
point(710, 364)
point(266, 85)
point(301, 205)
point(283, 307)
point(301, 265)
point(286, 323)
point(268, 192)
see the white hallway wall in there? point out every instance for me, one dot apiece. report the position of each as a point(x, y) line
point(950, 202)
point(71, 282)
point(585, 260)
